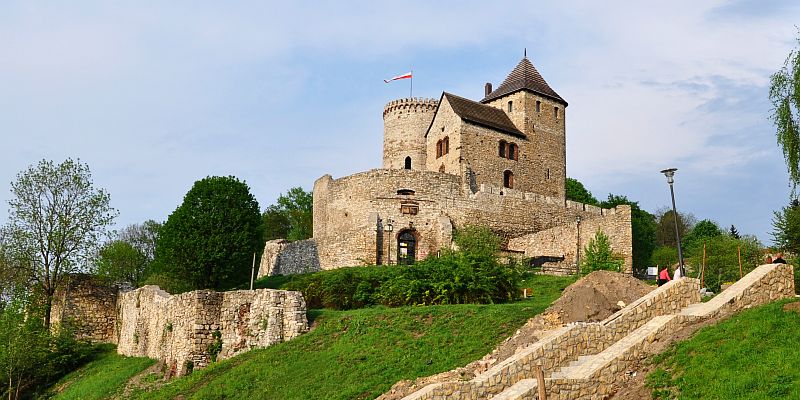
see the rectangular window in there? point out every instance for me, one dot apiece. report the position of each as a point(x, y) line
point(510, 106)
point(555, 112)
point(538, 106)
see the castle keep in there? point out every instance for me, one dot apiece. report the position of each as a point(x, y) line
point(450, 162)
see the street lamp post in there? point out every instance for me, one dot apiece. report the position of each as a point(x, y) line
point(670, 173)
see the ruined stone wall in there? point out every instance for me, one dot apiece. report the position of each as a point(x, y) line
point(351, 214)
point(281, 257)
point(565, 240)
point(88, 307)
point(405, 122)
point(186, 330)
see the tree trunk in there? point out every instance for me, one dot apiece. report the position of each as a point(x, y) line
point(48, 309)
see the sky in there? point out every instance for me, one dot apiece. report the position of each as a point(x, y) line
point(155, 95)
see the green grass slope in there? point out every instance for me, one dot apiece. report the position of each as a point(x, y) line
point(753, 355)
point(357, 354)
point(102, 378)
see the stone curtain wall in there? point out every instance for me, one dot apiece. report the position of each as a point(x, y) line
point(281, 257)
point(347, 212)
point(185, 330)
point(583, 361)
point(564, 240)
point(88, 307)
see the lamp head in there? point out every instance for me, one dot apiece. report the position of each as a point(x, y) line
point(669, 173)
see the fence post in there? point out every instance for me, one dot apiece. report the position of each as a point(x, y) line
point(540, 382)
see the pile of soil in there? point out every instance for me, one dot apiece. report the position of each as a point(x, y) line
point(592, 298)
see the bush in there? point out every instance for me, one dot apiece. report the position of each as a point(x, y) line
point(598, 255)
point(471, 274)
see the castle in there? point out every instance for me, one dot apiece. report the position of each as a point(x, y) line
point(447, 163)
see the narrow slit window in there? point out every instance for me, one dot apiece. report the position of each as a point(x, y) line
point(408, 163)
point(501, 149)
point(538, 106)
point(555, 112)
point(510, 106)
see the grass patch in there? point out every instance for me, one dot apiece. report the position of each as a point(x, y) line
point(102, 378)
point(354, 354)
point(752, 355)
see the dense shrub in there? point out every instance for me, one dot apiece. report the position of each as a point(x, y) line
point(471, 274)
point(599, 255)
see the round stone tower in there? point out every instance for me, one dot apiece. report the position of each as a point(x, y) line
point(405, 122)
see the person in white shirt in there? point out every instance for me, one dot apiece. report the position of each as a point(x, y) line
point(677, 274)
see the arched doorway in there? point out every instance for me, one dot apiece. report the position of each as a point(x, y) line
point(408, 163)
point(406, 247)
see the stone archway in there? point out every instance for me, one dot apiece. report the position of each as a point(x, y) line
point(406, 247)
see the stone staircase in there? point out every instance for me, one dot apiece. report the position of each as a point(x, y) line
point(584, 360)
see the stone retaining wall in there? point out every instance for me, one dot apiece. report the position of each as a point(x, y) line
point(188, 330)
point(615, 343)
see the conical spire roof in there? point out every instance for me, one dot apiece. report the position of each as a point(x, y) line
point(524, 77)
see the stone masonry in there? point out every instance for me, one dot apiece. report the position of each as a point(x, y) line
point(184, 331)
point(452, 162)
point(584, 360)
point(188, 330)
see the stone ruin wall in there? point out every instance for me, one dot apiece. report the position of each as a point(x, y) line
point(347, 210)
point(181, 330)
point(178, 330)
point(281, 257)
point(87, 306)
point(564, 240)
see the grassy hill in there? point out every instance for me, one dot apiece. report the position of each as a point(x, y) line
point(356, 354)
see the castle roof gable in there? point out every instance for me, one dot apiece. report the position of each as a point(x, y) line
point(524, 77)
point(481, 114)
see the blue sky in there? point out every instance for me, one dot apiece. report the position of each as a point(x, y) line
point(156, 95)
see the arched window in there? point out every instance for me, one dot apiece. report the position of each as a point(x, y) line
point(438, 149)
point(408, 163)
point(508, 179)
point(446, 145)
point(555, 112)
point(501, 149)
point(406, 247)
point(538, 106)
point(513, 151)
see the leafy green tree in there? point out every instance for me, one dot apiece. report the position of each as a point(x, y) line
point(291, 218)
point(700, 232)
point(209, 240)
point(784, 93)
point(129, 257)
point(119, 261)
point(786, 228)
point(599, 256)
point(664, 255)
point(643, 226)
point(56, 220)
point(577, 192)
point(722, 258)
point(665, 226)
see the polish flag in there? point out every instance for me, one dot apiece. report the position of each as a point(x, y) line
point(398, 77)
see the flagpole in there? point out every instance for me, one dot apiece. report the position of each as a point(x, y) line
point(411, 91)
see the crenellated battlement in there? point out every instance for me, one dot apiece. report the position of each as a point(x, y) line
point(415, 104)
point(488, 190)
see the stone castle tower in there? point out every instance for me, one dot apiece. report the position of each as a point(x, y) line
point(405, 122)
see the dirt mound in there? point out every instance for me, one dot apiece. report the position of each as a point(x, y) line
point(591, 298)
point(596, 296)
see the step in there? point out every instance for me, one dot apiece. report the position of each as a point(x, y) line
point(518, 390)
point(566, 370)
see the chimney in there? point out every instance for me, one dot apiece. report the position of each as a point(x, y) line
point(488, 89)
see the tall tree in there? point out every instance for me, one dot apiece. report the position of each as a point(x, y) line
point(209, 240)
point(56, 219)
point(577, 192)
point(734, 233)
point(598, 255)
point(643, 226)
point(665, 226)
point(784, 93)
point(128, 258)
point(786, 227)
point(291, 218)
point(701, 231)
